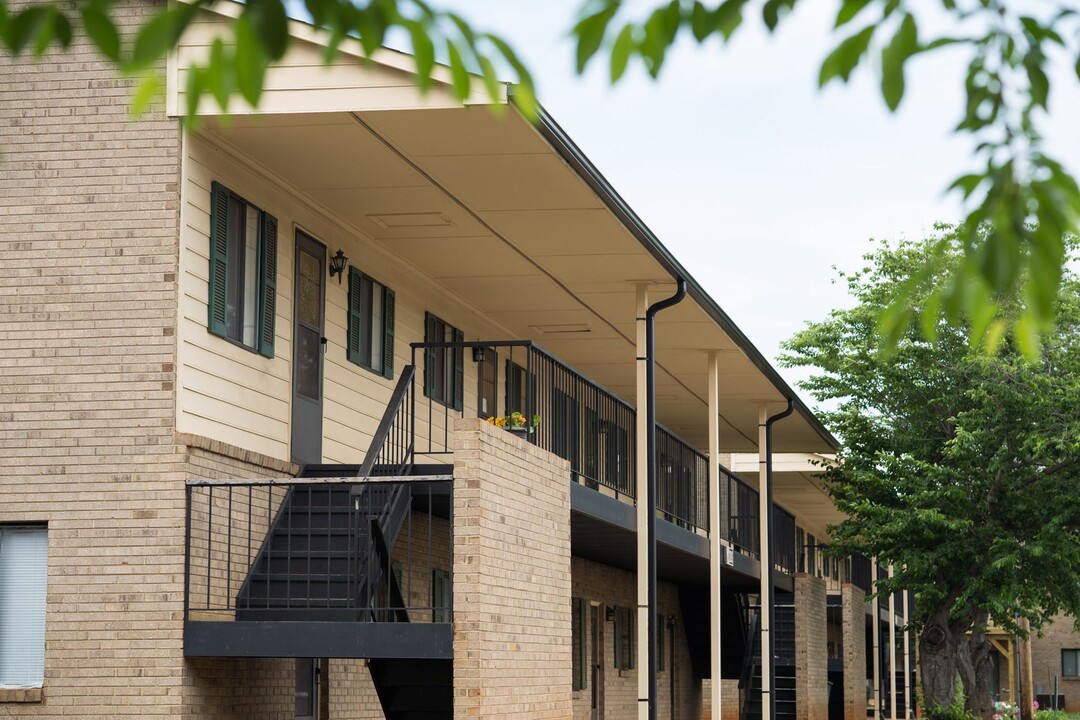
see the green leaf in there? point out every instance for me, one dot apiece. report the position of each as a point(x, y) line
point(160, 34)
point(220, 73)
point(463, 27)
point(102, 31)
point(728, 17)
point(250, 60)
point(620, 52)
point(590, 32)
point(773, 10)
point(967, 184)
point(904, 44)
point(1038, 83)
point(846, 56)
point(371, 26)
point(491, 82)
point(423, 53)
point(702, 23)
point(1027, 335)
point(458, 73)
point(147, 91)
point(272, 25)
point(27, 25)
point(848, 10)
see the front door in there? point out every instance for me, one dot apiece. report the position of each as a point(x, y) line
point(309, 294)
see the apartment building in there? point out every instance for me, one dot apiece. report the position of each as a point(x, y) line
point(246, 378)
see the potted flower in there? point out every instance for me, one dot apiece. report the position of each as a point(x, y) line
point(515, 422)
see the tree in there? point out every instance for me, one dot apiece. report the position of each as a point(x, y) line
point(1021, 201)
point(958, 468)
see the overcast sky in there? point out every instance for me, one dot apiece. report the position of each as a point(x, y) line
point(758, 182)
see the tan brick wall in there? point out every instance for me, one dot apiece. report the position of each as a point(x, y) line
point(350, 694)
point(811, 644)
point(88, 256)
point(611, 587)
point(511, 577)
point(853, 607)
point(1059, 635)
point(730, 709)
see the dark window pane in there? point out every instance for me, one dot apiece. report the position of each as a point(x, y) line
point(307, 359)
point(234, 299)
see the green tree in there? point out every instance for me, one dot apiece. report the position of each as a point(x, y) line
point(958, 468)
point(1021, 201)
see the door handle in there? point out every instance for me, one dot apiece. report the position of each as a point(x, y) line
point(323, 341)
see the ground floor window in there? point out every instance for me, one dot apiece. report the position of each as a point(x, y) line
point(625, 647)
point(577, 632)
point(23, 577)
point(1070, 662)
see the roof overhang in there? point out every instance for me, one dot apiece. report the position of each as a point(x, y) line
point(508, 216)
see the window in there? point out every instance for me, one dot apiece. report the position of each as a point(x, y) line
point(577, 633)
point(1070, 663)
point(371, 324)
point(243, 271)
point(440, 596)
point(661, 633)
point(800, 550)
point(23, 574)
point(625, 649)
point(444, 368)
point(307, 693)
point(487, 371)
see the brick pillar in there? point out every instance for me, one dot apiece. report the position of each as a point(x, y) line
point(811, 649)
point(854, 655)
point(511, 591)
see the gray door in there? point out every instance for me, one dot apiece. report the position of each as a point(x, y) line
point(308, 341)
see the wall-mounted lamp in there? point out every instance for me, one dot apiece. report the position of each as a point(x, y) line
point(337, 265)
point(672, 621)
point(609, 614)
point(478, 354)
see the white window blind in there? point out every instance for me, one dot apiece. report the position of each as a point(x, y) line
point(23, 571)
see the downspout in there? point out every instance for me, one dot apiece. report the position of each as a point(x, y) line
point(768, 647)
point(650, 419)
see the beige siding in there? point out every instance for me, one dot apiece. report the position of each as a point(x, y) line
point(302, 82)
point(230, 393)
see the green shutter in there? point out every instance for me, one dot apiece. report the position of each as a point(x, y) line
point(352, 343)
point(219, 258)
point(459, 371)
point(388, 333)
point(429, 355)
point(268, 284)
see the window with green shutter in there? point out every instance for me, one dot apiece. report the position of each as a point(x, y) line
point(440, 596)
point(370, 330)
point(243, 271)
point(444, 368)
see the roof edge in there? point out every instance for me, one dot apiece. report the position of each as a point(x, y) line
point(553, 133)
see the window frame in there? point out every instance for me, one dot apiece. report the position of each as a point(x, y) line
point(1076, 662)
point(579, 643)
point(359, 325)
point(227, 269)
point(35, 677)
point(440, 601)
point(444, 382)
point(307, 669)
point(625, 646)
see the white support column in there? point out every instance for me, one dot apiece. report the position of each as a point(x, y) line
point(875, 640)
point(766, 587)
point(892, 652)
point(716, 550)
point(641, 491)
point(909, 691)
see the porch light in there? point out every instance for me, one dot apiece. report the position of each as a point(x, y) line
point(609, 614)
point(337, 265)
point(478, 354)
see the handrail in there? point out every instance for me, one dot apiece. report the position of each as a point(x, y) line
point(386, 424)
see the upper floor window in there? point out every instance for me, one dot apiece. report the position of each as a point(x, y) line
point(23, 577)
point(371, 324)
point(243, 271)
point(444, 368)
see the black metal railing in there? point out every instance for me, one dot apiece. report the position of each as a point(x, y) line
point(318, 549)
point(739, 514)
point(883, 600)
point(391, 451)
point(682, 482)
point(579, 420)
point(783, 538)
point(860, 573)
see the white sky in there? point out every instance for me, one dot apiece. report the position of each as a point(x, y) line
point(754, 179)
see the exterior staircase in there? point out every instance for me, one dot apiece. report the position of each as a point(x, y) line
point(783, 685)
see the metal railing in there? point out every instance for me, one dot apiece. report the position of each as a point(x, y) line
point(306, 548)
point(391, 448)
point(739, 514)
point(579, 420)
point(783, 537)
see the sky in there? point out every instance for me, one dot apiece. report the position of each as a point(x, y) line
point(757, 181)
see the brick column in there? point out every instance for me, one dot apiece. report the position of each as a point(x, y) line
point(811, 649)
point(854, 628)
point(511, 590)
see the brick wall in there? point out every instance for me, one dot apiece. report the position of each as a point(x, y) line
point(853, 651)
point(88, 254)
point(511, 576)
point(1059, 635)
point(606, 587)
point(811, 644)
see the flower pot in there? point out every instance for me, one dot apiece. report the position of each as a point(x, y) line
point(521, 432)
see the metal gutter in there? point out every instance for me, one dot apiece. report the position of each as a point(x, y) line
point(576, 159)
